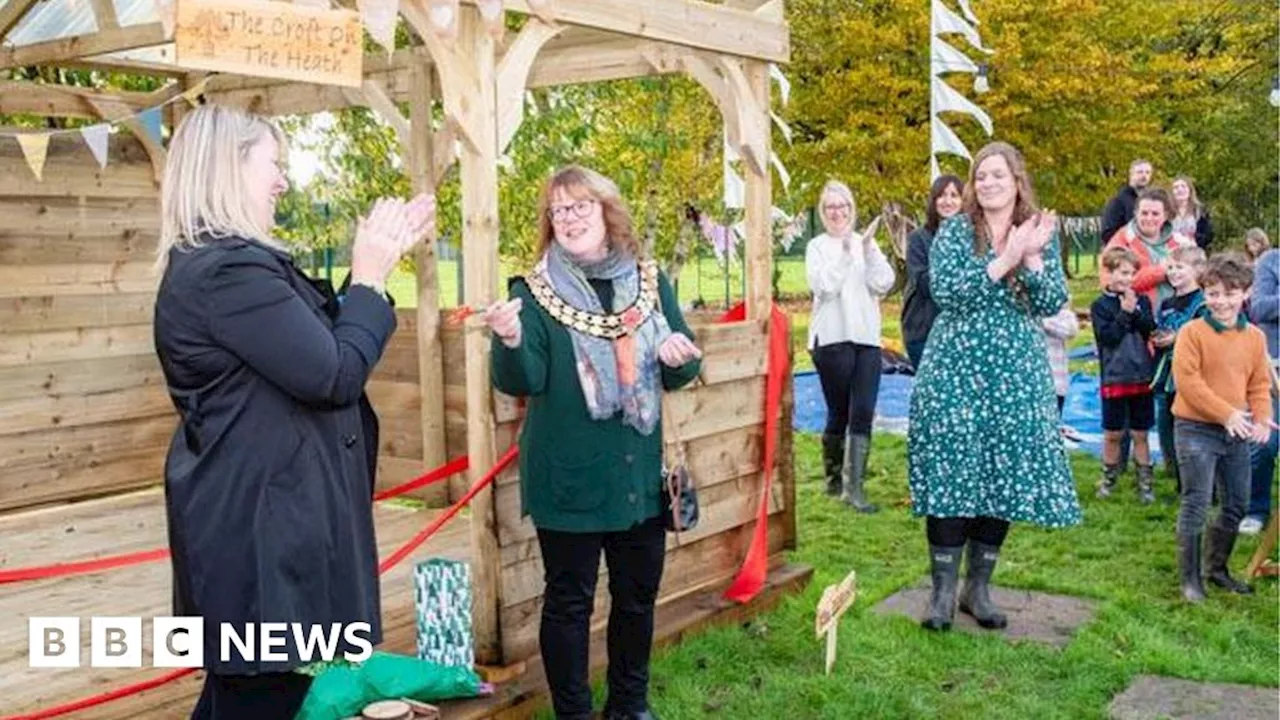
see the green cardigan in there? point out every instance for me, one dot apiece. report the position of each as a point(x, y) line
point(579, 474)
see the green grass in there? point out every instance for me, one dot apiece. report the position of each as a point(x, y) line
point(1122, 557)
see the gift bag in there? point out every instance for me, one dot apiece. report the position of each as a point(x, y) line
point(442, 602)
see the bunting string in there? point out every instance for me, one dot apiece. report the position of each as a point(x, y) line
point(35, 143)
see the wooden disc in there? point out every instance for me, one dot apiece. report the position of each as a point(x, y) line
point(387, 710)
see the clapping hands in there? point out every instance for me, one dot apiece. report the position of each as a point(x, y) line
point(1028, 240)
point(390, 230)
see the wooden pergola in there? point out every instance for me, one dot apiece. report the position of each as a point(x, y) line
point(481, 85)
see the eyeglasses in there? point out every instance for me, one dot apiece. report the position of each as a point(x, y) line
point(837, 207)
point(579, 209)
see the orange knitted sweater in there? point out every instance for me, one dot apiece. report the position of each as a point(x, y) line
point(1218, 371)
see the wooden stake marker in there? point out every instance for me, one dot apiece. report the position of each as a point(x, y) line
point(836, 599)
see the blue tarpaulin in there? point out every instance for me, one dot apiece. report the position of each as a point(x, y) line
point(1083, 410)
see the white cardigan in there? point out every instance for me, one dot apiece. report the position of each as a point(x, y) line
point(846, 288)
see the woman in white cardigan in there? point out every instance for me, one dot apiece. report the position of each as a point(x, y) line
point(848, 274)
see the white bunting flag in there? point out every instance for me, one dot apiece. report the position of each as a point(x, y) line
point(784, 85)
point(783, 127)
point(947, 59)
point(35, 148)
point(946, 141)
point(946, 99)
point(934, 172)
point(782, 171)
point(945, 21)
point(735, 190)
point(97, 137)
point(379, 18)
point(443, 15)
point(968, 12)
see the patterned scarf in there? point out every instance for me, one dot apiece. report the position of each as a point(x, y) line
point(621, 374)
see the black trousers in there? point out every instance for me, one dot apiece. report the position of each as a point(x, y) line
point(270, 696)
point(954, 531)
point(850, 379)
point(570, 562)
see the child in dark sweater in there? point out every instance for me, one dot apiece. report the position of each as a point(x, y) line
point(1183, 272)
point(1122, 326)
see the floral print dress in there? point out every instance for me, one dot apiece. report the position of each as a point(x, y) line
point(983, 438)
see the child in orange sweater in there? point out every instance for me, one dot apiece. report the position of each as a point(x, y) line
point(1220, 368)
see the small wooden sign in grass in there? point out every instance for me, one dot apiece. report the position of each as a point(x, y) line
point(836, 599)
point(270, 39)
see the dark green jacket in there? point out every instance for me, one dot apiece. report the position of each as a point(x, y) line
point(579, 474)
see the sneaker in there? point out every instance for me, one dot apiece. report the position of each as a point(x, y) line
point(1250, 526)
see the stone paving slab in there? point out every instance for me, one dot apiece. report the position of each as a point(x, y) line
point(1150, 698)
point(1039, 617)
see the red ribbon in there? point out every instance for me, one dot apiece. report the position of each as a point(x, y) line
point(750, 578)
point(392, 560)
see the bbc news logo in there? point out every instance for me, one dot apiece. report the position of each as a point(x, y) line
point(178, 642)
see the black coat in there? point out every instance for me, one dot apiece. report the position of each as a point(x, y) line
point(918, 307)
point(1118, 213)
point(269, 476)
point(1122, 339)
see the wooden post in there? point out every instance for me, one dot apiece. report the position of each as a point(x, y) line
point(422, 172)
point(474, 61)
point(759, 200)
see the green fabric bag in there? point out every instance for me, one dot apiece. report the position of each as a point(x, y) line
point(341, 690)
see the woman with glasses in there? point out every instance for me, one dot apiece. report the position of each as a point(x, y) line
point(592, 337)
point(848, 274)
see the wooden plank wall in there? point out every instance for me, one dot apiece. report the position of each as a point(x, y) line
point(82, 404)
point(720, 418)
point(83, 409)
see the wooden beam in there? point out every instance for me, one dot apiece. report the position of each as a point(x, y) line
point(104, 11)
point(79, 46)
point(471, 71)
point(690, 23)
point(374, 96)
point(19, 96)
point(752, 120)
point(113, 111)
point(421, 165)
point(759, 200)
point(456, 72)
point(13, 12)
point(513, 76)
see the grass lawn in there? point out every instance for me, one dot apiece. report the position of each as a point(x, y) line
point(1122, 557)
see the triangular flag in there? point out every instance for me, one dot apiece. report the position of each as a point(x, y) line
point(782, 126)
point(784, 85)
point(945, 21)
point(97, 137)
point(493, 16)
point(443, 15)
point(735, 190)
point(35, 148)
point(379, 17)
point(968, 12)
point(934, 172)
point(945, 140)
point(782, 171)
point(149, 119)
point(946, 99)
point(730, 153)
point(948, 59)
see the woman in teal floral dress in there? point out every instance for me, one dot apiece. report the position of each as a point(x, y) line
point(984, 448)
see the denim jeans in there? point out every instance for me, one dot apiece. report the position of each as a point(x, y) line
point(1262, 459)
point(1164, 427)
point(1206, 451)
point(570, 561)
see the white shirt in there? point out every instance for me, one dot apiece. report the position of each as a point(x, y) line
point(846, 287)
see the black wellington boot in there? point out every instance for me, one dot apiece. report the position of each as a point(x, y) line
point(976, 599)
point(945, 569)
point(833, 462)
point(1221, 543)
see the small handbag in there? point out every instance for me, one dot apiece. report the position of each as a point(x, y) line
point(679, 494)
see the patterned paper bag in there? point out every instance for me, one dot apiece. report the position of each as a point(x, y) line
point(442, 602)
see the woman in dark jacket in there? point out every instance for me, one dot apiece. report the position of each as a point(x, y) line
point(918, 308)
point(269, 475)
point(592, 337)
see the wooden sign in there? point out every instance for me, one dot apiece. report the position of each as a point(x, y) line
point(270, 39)
point(836, 599)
